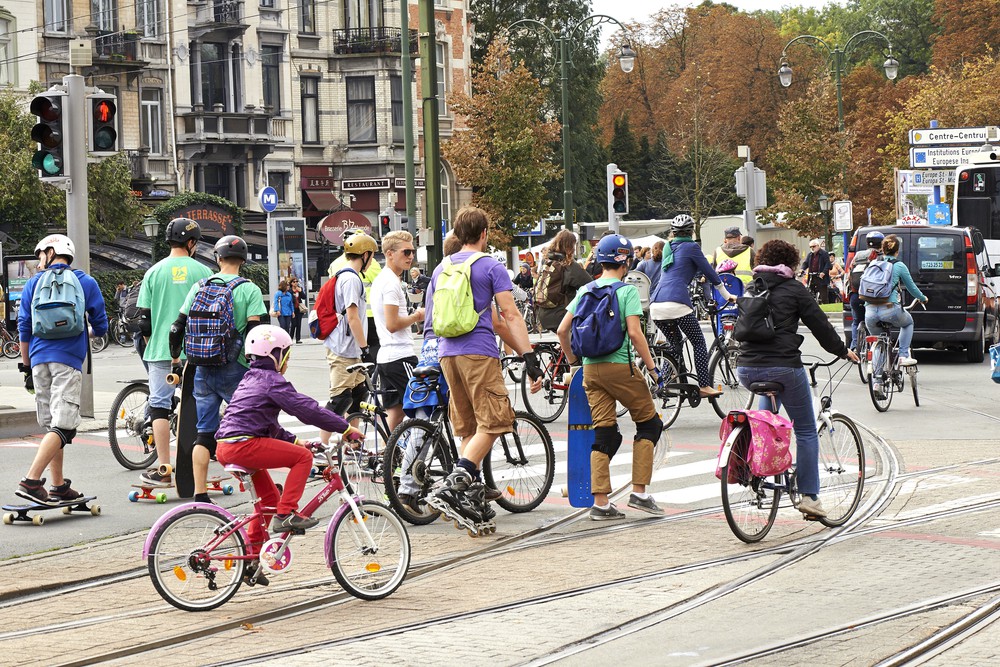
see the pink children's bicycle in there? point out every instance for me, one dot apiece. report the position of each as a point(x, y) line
point(198, 554)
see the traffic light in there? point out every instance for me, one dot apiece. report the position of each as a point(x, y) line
point(619, 192)
point(103, 118)
point(49, 132)
point(385, 224)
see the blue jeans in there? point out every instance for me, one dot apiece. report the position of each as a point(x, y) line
point(894, 314)
point(212, 385)
point(858, 311)
point(797, 399)
point(161, 394)
point(285, 322)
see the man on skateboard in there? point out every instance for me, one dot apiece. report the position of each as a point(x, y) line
point(611, 376)
point(164, 288)
point(216, 352)
point(52, 325)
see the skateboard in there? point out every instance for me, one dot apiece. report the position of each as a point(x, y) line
point(68, 507)
point(158, 493)
point(187, 431)
point(580, 442)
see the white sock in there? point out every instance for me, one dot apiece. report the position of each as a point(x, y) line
point(603, 507)
point(640, 496)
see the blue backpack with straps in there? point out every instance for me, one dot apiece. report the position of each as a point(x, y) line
point(58, 305)
point(211, 338)
point(597, 328)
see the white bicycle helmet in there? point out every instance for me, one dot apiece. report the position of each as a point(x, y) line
point(267, 340)
point(60, 244)
point(682, 221)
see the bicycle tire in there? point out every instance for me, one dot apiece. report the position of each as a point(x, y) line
point(750, 503)
point(122, 336)
point(11, 349)
point(668, 403)
point(881, 403)
point(523, 482)
point(862, 347)
point(177, 574)
point(550, 401)
point(363, 474)
point(436, 459)
point(841, 470)
point(98, 343)
point(125, 432)
point(357, 564)
point(913, 386)
point(722, 370)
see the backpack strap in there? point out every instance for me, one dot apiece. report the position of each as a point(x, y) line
point(333, 296)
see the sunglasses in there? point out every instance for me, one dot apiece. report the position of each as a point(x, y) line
point(407, 252)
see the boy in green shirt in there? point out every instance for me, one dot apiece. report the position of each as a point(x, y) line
point(613, 378)
point(163, 290)
point(215, 384)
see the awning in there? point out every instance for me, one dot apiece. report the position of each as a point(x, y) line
point(323, 200)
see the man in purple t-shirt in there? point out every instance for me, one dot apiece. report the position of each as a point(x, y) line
point(479, 406)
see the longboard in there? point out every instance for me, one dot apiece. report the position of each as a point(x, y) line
point(580, 442)
point(19, 513)
point(158, 493)
point(187, 432)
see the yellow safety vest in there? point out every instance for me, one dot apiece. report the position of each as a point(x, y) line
point(366, 278)
point(744, 271)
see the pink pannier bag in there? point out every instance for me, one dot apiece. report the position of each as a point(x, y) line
point(769, 442)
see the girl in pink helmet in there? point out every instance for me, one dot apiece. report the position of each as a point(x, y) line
point(250, 435)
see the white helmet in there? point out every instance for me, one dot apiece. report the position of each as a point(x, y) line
point(682, 221)
point(266, 339)
point(59, 243)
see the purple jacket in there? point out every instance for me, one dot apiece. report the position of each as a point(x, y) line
point(262, 394)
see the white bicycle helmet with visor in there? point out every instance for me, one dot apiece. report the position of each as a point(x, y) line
point(681, 222)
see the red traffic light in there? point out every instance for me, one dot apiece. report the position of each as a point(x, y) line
point(104, 111)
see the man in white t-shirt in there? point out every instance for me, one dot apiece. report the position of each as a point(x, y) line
point(388, 301)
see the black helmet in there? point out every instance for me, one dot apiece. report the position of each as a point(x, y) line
point(231, 246)
point(181, 230)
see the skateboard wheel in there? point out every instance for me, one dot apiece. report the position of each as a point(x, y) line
point(38, 519)
point(67, 510)
point(565, 492)
point(161, 498)
point(227, 490)
point(165, 469)
point(95, 510)
point(134, 496)
point(8, 519)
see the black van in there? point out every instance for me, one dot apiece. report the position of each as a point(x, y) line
point(951, 266)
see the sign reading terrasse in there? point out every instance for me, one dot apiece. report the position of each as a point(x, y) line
point(214, 220)
point(954, 135)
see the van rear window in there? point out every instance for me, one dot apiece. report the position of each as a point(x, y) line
point(940, 253)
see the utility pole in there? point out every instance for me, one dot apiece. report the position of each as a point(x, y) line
point(406, 63)
point(432, 137)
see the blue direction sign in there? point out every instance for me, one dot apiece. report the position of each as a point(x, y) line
point(268, 198)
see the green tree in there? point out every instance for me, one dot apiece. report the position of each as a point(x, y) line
point(505, 152)
point(114, 210)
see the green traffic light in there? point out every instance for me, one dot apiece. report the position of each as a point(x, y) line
point(46, 163)
point(619, 207)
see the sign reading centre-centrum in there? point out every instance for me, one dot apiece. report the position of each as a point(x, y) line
point(953, 135)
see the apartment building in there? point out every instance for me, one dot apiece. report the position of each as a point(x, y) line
point(226, 96)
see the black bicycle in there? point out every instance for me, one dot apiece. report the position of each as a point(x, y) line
point(130, 430)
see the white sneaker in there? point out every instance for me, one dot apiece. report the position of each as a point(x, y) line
point(811, 507)
point(907, 361)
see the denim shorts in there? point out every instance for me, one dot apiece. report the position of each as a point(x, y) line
point(161, 394)
point(212, 386)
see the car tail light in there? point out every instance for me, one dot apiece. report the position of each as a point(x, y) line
point(971, 275)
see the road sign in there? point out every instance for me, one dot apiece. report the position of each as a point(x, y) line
point(843, 216)
point(932, 178)
point(268, 198)
point(910, 185)
point(939, 214)
point(945, 156)
point(955, 135)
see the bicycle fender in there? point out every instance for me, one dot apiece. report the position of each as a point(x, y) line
point(727, 446)
point(328, 539)
point(186, 506)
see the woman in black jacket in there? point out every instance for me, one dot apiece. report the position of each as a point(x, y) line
point(779, 360)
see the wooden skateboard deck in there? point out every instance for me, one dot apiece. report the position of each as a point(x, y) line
point(580, 441)
point(187, 432)
point(19, 513)
point(159, 493)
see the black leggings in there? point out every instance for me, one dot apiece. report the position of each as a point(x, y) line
point(689, 325)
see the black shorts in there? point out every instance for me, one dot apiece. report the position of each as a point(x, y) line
point(348, 401)
point(394, 376)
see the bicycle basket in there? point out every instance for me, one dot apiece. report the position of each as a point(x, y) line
point(769, 444)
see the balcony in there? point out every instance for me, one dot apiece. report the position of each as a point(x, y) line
point(219, 16)
point(367, 41)
point(116, 46)
point(227, 11)
point(221, 127)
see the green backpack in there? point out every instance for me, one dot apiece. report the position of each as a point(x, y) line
point(455, 313)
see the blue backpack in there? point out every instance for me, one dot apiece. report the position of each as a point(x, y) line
point(211, 337)
point(597, 328)
point(58, 305)
point(876, 282)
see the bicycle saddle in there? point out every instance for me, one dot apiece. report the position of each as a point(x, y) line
point(766, 387)
point(239, 470)
point(426, 372)
point(359, 367)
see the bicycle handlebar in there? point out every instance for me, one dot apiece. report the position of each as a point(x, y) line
point(818, 364)
point(915, 302)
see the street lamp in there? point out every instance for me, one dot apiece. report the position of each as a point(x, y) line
point(561, 44)
point(151, 226)
point(824, 207)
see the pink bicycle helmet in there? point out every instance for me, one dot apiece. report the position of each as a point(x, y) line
point(266, 339)
point(726, 266)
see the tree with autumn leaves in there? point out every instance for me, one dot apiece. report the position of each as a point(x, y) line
point(505, 153)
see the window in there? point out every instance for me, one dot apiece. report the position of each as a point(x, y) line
point(361, 110)
point(104, 14)
point(217, 180)
point(270, 4)
point(56, 15)
point(148, 17)
point(270, 61)
point(307, 17)
point(213, 75)
point(445, 195)
point(396, 95)
point(310, 110)
point(279, 181)
point(442, 78)
point(152, 120)
point(8, 57)
point(363, 14)
point(440, 3)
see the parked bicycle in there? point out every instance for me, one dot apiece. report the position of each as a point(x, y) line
point(885, 373)
point(118, 330)
point(9, 341)
point(521, 464)
point(361, 465)
point(751, 502)
point(197, 554)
